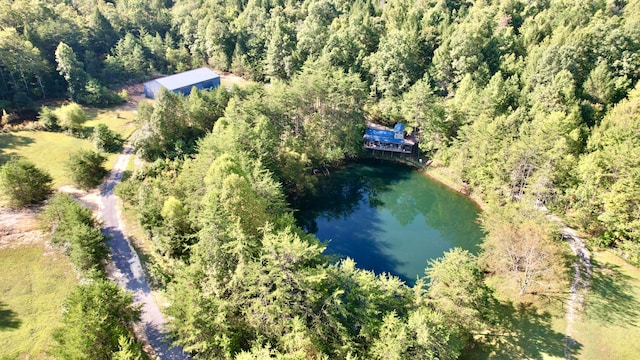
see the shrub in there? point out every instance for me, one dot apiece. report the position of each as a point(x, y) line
point(85, 168)
point(22, 183)
point(48, 119)
point(74, 228)
point(97, 322)
point(106, 139)
point(70, 117)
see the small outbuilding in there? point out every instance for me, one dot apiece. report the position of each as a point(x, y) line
point(202, 78)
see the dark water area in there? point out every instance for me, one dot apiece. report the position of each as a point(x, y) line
point(389, 218)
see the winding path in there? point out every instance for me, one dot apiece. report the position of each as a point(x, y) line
point(582, 271)
point(127, 270)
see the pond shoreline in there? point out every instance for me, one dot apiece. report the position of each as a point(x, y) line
point(435, 173)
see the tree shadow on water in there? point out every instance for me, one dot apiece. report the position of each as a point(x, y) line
point(523, 332)
point(8, 318)
point(611, 300)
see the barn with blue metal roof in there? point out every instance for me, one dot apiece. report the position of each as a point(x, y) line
point(202, 78)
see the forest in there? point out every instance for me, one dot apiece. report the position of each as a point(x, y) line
point(525, 103)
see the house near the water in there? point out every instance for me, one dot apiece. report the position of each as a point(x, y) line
point(377, 137)
point(202, 78)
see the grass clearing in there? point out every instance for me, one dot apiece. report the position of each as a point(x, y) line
point(33, 285)
point(47, 150)
point(609, 328)
point(50, 150)
point(531, 329)
point(118, 120)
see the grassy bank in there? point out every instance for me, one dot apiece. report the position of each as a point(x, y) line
point(33, 284)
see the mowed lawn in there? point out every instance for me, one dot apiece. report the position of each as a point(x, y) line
point(118, 120)
point(47, 150)
point(50, 150)
point(610, 326)
point(33, 285)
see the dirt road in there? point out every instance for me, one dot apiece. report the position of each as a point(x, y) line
point(127, 269)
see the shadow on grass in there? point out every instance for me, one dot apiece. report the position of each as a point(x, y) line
point(9, 141)
point(611, 299)
point(8, 318)
point(523, 333)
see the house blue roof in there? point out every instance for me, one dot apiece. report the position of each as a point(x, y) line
point(383, 139)
point(381, 133)
point(398, 128)
point(187, 78)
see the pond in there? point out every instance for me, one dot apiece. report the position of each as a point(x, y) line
point(389, 218)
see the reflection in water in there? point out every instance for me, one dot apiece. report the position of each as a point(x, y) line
point(389, 218)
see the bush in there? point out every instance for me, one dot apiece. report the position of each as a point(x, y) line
point(70, 117)
point(106, 139)
point(48, 119)
point(74, 228)
point(97, 322)
point(22, 183)
point(85, 168)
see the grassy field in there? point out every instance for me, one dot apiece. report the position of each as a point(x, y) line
point(531, 329)
point(50, 151)
point(33, 285)
point(47, 150)
point(607, 328)
point(118, 120)
point(610, 326)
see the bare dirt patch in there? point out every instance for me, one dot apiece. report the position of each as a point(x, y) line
point(136, 95)
point(89, 199)
point(19, 228)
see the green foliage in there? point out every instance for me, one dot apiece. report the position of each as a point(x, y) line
point(74, 229)
point(72, 70)
point(172, 127)
point(106, 139)
point(517, 99)
point(97, 320)
point(606, 196)
point(85, 168)
point(70, 117)
point(23, 184)
point(47, 119)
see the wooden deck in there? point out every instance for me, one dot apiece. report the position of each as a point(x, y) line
point(374, 145)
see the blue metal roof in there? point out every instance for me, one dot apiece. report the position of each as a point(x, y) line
point(384, 139)
point(382, 133)
point(398, 128)
point(186, 78)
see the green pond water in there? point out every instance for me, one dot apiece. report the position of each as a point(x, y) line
point(389, 218)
